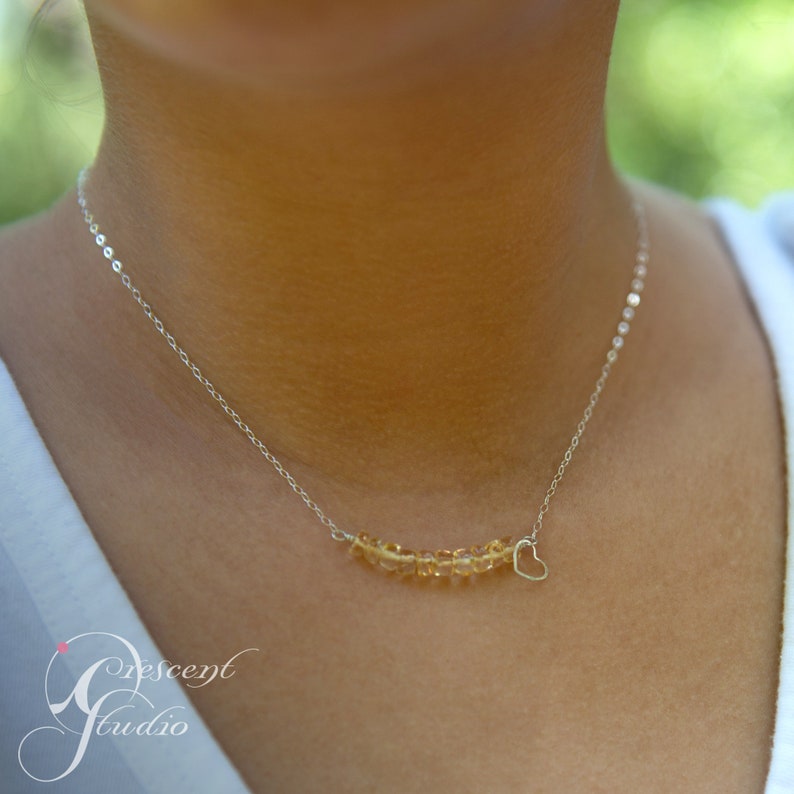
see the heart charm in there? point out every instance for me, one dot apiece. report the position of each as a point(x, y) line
point(531, 543)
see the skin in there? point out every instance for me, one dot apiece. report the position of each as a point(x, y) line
point(393, 238)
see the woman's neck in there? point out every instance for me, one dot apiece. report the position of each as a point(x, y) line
point(419, 272)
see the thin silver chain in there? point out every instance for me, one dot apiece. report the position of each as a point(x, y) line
point(337, 533)
point(641, 259)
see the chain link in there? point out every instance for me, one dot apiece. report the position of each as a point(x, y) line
point(337, 533)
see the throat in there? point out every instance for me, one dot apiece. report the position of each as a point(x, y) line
point(424, 276)
point(467, 365)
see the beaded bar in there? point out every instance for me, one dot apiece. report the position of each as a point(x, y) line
point(407, 562)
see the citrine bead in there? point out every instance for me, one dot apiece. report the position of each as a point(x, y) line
point(443, 563)
point(372, 551)
point(462, 562)
point(389, 556)
point(496, 552)
point(509, 546)
point(407, 563)
point(480, 562)
point(425, 563)
point(360, 542)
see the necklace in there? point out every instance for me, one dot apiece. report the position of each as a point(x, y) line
point(392, 556)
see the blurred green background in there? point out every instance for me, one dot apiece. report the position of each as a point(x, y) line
point(701, 98)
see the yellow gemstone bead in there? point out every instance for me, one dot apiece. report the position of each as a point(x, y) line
point(496, 553)
point(462, 562)
point(425, 563)
point(389, 556)
point(407, 563)
point(509, 546)
point(443, 560)
point(480, 562)
point(360, 542)
point(372, 551)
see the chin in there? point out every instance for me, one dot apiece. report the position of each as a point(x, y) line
point(314, 44)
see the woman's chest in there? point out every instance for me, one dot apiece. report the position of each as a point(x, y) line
point(647, 666)
point(646, 662)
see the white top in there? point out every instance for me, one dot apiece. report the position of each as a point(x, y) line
point(56, 587)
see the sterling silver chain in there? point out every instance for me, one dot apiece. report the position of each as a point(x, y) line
point(627, 316)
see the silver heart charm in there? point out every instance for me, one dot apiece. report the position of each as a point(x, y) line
point(532, 543)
